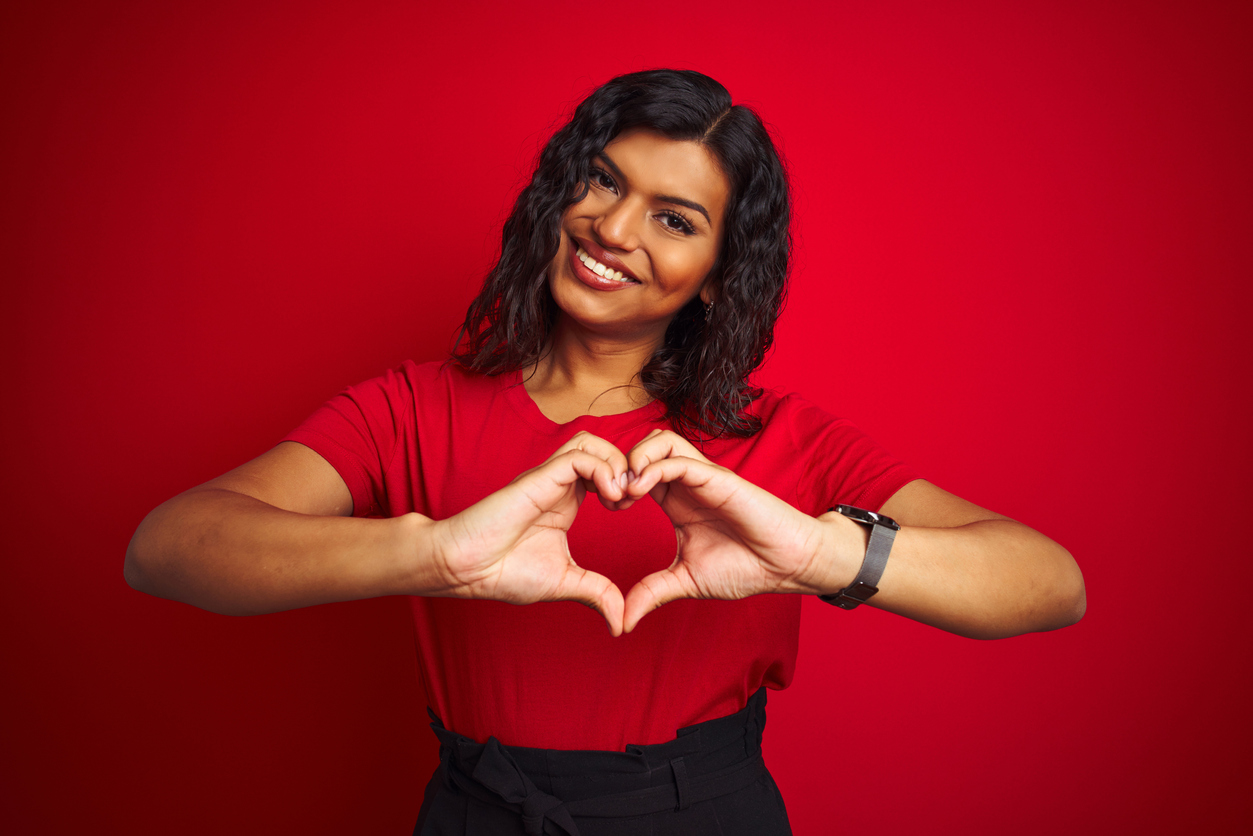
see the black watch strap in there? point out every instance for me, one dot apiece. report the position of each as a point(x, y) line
point(882, 535)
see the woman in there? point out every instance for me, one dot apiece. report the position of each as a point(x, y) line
point(640, 277)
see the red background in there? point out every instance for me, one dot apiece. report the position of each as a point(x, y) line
point(1025, 247)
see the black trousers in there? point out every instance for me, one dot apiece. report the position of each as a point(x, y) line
point(709, 780)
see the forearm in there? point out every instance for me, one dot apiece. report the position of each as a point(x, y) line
point(986, 579)
point(229, 553)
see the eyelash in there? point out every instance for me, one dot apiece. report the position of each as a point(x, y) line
point(608, 183)
point(685, 226)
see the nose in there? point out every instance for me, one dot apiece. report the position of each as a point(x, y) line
point(618, 227)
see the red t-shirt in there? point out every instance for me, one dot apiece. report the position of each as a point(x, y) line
point(435, 439)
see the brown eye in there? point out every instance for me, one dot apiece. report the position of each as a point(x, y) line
point(601, 179)
point(678, 223)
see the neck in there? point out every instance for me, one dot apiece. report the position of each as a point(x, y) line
point(586, 374)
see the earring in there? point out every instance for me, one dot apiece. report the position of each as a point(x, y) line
point(709, 308)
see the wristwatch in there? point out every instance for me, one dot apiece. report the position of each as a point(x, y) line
point(882, 533)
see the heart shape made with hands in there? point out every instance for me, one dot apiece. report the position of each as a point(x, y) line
point(734, 539)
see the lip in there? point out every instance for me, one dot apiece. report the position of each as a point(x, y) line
point(589, 278)
point(605, 257)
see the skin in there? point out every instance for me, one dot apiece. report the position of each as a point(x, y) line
point(276, 533)
point(602, 339)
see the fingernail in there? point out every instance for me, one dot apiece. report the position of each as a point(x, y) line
point(622, 480)
point(631, 476)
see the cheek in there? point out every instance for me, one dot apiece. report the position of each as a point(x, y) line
point(583, 208)
point(681, 281)
point(556, 262)
point(690, 270)
point(563, 245)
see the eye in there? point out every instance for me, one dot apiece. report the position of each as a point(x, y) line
point(674, 221)
point(602, 179)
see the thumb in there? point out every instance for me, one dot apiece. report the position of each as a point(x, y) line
point(596, 591)
point(650, 593)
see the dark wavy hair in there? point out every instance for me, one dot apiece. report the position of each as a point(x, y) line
point(700, 372)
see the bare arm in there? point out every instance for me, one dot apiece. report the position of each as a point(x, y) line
point(273, 535)
point(953, 565)
point(964, 569)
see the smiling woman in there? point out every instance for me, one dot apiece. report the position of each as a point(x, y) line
point(609, 351)
point(633, 253)
point(666, 245)
point(669, 148)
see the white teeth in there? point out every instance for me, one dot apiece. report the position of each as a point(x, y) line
point(600, 269)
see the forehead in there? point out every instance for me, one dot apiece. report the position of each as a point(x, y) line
point(659, 166)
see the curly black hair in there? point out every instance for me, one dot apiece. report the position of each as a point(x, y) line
point(700, 372)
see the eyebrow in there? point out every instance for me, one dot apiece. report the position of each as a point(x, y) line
point(664, 198)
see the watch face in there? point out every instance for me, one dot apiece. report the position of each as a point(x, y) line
point(867, 517)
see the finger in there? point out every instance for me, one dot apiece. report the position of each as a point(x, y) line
point(571, 472)
point(591, 471)
point(598, 447)
point(586, 442)
point(612, 494)
point(658, 445)
point(650, 593)
point(695, 474)
point(606, 481)
point(613, 504)
point(596, 591)
point(621, 505)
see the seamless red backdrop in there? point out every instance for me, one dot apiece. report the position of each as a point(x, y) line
point(1024, 256)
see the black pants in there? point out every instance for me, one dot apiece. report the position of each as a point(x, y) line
point(709, 780)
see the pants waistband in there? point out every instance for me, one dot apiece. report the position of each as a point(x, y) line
point(548, 787)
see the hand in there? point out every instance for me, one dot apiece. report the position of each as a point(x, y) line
point(734, 539)
point(512, 546)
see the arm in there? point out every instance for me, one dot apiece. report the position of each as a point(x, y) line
point(959, 567)
point(273, 535)
point(953, 565)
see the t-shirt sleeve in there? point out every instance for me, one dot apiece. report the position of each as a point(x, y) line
point(842, 465)
point(357, 431)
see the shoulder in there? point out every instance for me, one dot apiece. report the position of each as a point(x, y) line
point(795, 415)
point(790, 426)
point(425, 379)
point(440, 391)
point(791, 421)
point(834, 460)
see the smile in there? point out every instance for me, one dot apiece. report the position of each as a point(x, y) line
point(600, 269)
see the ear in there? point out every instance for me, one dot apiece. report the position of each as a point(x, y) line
point(708, 292)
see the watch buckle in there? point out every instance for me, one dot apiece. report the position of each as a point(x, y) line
point(851, 597)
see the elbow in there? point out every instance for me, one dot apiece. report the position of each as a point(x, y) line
point(1067, 600)
point(144, 574)
point(132, 575)
point(148, 567)
point(133, 567)
point(1056, 599)
point(157, 564)
point(1075, 596)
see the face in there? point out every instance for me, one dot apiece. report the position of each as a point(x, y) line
point(641, 244)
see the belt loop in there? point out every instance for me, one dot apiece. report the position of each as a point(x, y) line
point(680, 781)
